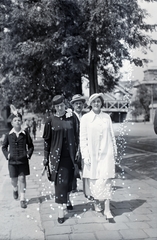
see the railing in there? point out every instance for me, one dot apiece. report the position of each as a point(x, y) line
point(116, 106)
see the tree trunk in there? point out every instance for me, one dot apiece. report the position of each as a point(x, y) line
point(78, 86)
point(93, 80)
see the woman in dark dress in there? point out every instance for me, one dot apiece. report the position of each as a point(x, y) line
point(60, 146)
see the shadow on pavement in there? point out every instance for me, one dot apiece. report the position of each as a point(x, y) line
point(117, 208)
point(121, 207)
point(40, 199)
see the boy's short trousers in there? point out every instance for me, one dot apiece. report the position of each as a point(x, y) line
point(18, 170)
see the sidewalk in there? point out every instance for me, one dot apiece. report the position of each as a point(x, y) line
point(134, 206)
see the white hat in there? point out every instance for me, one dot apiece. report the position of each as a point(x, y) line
point(96, 95)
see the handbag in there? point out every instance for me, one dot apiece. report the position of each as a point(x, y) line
point(78, 159)
point(48, 172)
point(76, 171)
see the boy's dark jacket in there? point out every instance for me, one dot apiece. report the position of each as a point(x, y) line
point(20, 149)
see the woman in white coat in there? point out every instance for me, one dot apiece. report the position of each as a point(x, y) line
point(98, 148)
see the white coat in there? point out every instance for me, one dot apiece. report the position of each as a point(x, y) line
point(98, 144)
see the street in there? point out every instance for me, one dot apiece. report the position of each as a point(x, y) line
point(134, 202)
point(139, 148)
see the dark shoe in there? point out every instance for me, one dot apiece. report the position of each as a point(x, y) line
point(61, 220)
point(23, 204)
point(15, 194)
point(90, 198)
point(70, 207)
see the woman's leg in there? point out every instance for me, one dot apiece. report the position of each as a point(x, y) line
point(69, 204)
point(107, 211)
point(97, 206)
point(60, 211)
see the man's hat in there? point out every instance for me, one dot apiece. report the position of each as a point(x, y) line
point(57, 99)
point(77, 97)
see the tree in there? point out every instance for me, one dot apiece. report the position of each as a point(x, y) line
point(114, 28)
point(46, 51)
point(52, 44)
point(142, 102)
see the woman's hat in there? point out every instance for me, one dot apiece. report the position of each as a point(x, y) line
point(77, 97)
point(57, 99)
point(94, 96)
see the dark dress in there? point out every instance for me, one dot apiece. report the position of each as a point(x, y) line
point(60, 146)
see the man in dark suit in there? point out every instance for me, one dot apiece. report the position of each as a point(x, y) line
point(78, 104)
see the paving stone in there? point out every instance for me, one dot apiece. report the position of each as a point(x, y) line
point(153, 224)
point(152, 216)
point(57, 237)
point(122, 218)
point(139, 217)
point(87, 228)
point(142, 210)
point(151, 232)
point(108, 235)
point(133, 233)
point(82, 236)
point(95, 219)
point(60, 229)
point(137, 225)
point(115, 226)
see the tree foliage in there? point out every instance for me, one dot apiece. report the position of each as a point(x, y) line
point(142, 102)
point(45, 48)
point(50, 44)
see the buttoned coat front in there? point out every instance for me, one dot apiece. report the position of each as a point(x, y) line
point(20, 148)
point(98, 144)
point(54, 131)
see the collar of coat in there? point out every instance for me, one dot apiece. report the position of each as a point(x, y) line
point(101, 115)
point(17, 133)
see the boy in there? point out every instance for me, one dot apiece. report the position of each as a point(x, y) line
point(18, 148)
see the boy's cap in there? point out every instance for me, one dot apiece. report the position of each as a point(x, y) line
point(57, 99)
point(76, 98)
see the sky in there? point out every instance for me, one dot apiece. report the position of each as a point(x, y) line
point(137, 73)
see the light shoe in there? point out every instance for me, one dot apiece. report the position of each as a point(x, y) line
point(108, 215)
point(98, 207)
